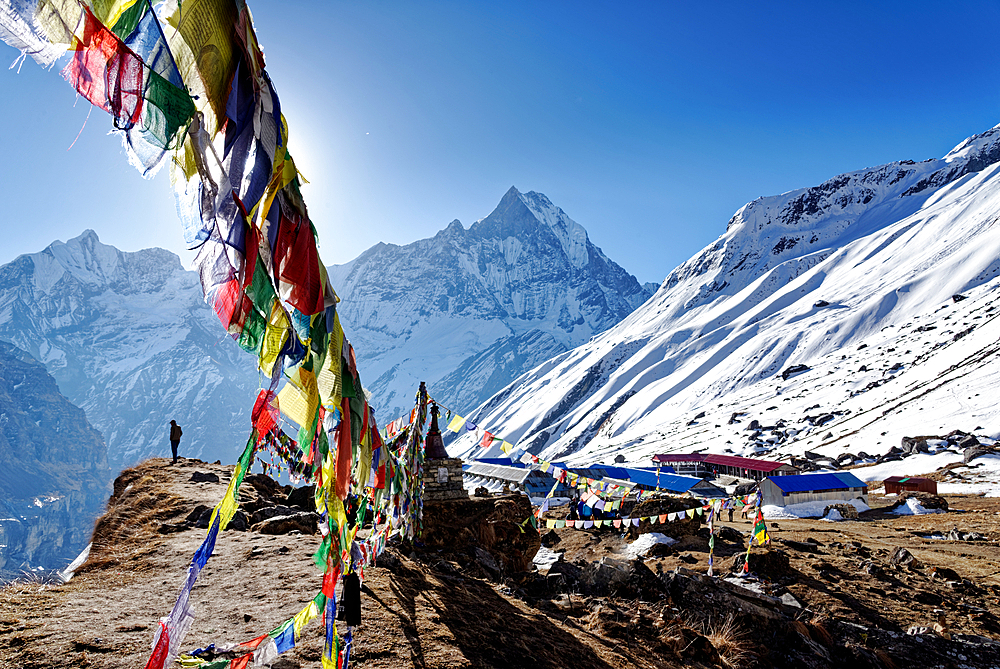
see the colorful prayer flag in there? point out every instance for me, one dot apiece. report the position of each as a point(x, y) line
point(456, 423)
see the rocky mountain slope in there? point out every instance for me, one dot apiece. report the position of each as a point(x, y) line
point(54, 475)
point(472, 308)
point(852, 280)
point(130, 340)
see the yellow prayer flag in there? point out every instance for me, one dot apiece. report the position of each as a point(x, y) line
point(109, 11)
point(506, 447)
point(59, 19)
point(277, 333)
point(206, 27)
point(303, 617)
point(226, 508)
point(456, 423)
point(299, 400)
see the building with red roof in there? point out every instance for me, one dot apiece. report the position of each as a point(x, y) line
point(702, 464)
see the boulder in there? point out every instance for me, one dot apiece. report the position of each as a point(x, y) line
point(569, 573)
point(550, 539)
point(904, 558)
point(628, 579)
point(824, 419)
point(204, 477)
point(789, 372)
point(770, 563)
point(913, 445)
point(200, 516)
point(262, 514)
point(944, 573)
point(846, 511)
point(238, 522)
point(962, 440)
point(973, 452)
point(801, 546)
point(958, 535)
point(730, 534)
point(264, 485)
point(928, 500)
point(302, 498)
point(486, 561)
point(301, 521)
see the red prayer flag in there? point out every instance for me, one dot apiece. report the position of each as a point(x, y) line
point(330, 580)
point(297, 265)
point(265, 412)
point(487, 439)
point(242, 662)
point(226, 298)
point(106, 72)
point(159, 654)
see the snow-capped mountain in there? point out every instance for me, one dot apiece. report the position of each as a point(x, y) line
point(130, 340)
point(470, 309)
point(832, 301)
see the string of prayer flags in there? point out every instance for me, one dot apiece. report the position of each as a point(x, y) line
point(187, 81)
point(124, 69)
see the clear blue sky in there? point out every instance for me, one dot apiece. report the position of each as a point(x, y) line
point(649, 123)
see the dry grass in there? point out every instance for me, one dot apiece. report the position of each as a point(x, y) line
point(730, 640)
point(127, 532)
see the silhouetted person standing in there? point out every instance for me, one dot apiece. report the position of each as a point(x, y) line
point(175, 438)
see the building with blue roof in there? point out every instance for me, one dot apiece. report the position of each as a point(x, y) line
point(825, 486)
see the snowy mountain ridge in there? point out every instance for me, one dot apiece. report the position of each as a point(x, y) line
point(469, 309)
point(130, 340)
point(797, 278)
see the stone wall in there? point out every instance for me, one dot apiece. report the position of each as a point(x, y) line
point(443, 480)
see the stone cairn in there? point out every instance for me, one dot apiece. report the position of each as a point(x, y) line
point(442, 474)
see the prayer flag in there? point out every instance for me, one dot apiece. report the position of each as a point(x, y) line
point(760, 534)
point(456, 423)
point(285, 640)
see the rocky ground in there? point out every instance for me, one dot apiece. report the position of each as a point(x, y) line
point(826, 594)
